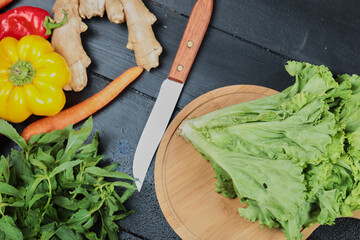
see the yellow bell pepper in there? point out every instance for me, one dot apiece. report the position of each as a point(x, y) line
point(32, 77)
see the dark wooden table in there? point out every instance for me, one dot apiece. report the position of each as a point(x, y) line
point(248, 42)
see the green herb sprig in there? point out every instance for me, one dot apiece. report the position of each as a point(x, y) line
point(53, 187)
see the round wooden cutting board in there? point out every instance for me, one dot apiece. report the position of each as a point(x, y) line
point(185, 181)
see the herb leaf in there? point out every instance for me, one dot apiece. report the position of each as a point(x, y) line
point(103, 173)
point(5, 168)
point(31, 189)
point(64, 167)
point(9, 131)
point(9, 228)
point(77, 138)
point(9, 190)
point(65, 233)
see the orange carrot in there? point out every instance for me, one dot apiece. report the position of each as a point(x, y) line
point(3, 3)
point(83, 109)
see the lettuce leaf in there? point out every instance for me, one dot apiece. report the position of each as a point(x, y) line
point(293, 157)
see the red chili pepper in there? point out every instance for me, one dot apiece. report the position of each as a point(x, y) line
point(27, 20)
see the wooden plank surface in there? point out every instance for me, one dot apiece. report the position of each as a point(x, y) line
point(322, 32)
point(248, 42)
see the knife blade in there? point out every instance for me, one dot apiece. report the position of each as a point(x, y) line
point(171, 89)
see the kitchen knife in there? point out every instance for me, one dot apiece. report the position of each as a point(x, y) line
point(171, 88)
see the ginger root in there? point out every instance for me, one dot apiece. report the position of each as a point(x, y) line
point(115, 11)
point(67, 42)
point(139, 21)
point(141, 38)
point(91, 8)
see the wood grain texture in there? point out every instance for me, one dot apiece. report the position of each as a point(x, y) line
point(321, 32)
point(247, 42)
point(184, 180)
point(191, 41)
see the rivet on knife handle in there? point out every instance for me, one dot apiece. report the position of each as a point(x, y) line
point(190, 43)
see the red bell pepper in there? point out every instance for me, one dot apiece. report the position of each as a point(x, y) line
point(27, 20)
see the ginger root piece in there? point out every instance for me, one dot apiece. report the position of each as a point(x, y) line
point(141, 36)
point(91, 8)
point(115, 11)
point(67, 42)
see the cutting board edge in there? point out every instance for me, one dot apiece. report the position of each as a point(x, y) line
point(170, 215)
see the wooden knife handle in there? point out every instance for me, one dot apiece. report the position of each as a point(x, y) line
point(190, 43)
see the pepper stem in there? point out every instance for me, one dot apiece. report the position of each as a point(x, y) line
point(21, 73)
point(50, 24)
